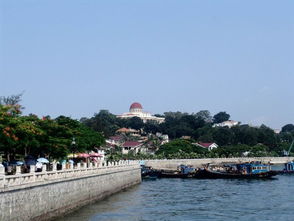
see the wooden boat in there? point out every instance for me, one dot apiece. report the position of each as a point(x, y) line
point(150, 177)
point(237, 171)
point(149, 173)
point(183, 171)
point(174, 174)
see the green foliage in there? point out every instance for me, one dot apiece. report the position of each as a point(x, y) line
point(135, 123)
point(204, 115)
point(288, 128)
point(223, 136)
point(180, 148)
point(179, 124)
point(199, 127)
point(221, 117)
point(151, 127)
point(103, 122)
point(29, 135)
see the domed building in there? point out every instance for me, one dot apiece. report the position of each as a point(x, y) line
point(136, 107)
point(136, 110)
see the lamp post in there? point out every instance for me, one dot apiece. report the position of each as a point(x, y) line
point(73, 145)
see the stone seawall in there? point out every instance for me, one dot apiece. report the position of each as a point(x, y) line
point(48, 198)
point(174, 163)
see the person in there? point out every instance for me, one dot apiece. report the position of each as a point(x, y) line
point(39, 167)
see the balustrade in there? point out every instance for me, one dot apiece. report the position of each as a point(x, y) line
point(66, 172)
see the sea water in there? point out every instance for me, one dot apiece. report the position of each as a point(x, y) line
point(194, 199)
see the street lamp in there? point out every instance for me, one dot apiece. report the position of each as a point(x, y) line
point(73, 144)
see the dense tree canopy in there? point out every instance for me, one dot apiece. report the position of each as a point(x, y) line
point(288, 128)
point(29, 135)
point(220, 117)
point(199, 127)
point(205, 115)
point(180, 148)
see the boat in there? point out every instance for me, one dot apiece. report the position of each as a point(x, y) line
point(150, 177)
point(148, 173)
point(252, 170)
point(288, 168)
point(183, 171)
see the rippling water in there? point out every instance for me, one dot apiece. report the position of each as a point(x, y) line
point(192, 199)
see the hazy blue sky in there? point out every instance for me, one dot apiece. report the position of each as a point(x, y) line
point(77, 57)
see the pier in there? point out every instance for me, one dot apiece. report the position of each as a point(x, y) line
point(172, 164)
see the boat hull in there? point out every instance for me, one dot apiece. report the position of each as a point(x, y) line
point(174, 175)
point(207, 174)
point(286, 172)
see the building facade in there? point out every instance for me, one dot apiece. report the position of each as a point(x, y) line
point(136, 110)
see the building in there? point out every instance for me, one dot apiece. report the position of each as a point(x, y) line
point(136, 110)
point(127, 131)
point(164, 138)
point(131, 146)
point(228, 123)
point(209, 146)
point(115, 140)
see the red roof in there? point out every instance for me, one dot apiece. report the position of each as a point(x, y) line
point(116, 138)
point(205, 144)
point(131, 144)
point(136, 105)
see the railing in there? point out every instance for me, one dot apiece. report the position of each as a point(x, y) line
point(67, 172)
point(264, 159)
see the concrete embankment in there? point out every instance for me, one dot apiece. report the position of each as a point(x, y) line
point(172, 164)
point(47, 195)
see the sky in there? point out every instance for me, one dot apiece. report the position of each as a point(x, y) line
point(75, 58)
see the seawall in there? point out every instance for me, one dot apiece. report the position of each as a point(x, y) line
point(172, 164)
point(46, 195)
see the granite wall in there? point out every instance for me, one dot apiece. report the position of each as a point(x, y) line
point(47, 199)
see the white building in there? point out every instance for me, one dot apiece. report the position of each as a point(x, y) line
point(136, 110)
point(228, 123)
point(208, 146)
point(133, 146)
point(163, 137)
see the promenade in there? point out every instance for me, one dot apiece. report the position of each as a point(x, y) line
point(49, 194)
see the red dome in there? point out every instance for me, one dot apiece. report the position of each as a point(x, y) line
point(136, 106)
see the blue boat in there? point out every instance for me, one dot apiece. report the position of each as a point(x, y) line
point(251, 170)
point(288, 168)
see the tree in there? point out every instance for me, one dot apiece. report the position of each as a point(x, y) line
point(220, 117)
point(267, 136)
point(29, 134)
point(11, 100)
point(204, 115)
point(10, 121)
point(135, 123)
point(288, 128)
point(223, 136)
point(151, 127)
point(245, 134)
point(180, 147)
point(86, 138)
point(103, 122)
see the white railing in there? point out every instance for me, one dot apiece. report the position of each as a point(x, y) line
point(263, 159)
point(67, 172)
